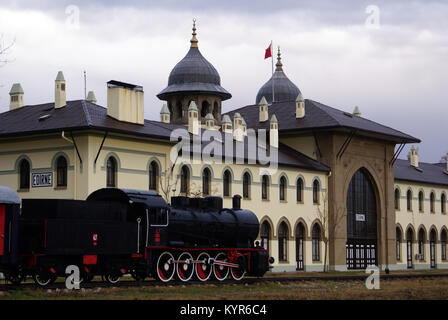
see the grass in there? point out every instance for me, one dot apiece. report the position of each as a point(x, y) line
point(436, 288)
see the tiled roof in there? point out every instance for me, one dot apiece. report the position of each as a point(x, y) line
point(83, 115)
point(426, 173)
point(318, 117)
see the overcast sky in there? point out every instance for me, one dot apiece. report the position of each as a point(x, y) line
point(388, 57)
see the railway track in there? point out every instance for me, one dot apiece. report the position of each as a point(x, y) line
point(152, 282)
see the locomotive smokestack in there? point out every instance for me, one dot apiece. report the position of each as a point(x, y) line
point(236, 202)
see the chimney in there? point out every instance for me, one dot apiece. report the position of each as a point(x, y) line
point(300, 107)
point(193, 118)
point(165, 115)
point(273, 132)
point(91, 97)
point(226, 124)
point(209, 121)
point(263, 109)
point(60, 97)
point(446, 162)
point(238, 132)
point(356, 112)
point(125, 102)
point(413, 156)
point(16, 97)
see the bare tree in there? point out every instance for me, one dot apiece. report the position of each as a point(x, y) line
point(329, 226)
point(5, 50)
point(168, 183)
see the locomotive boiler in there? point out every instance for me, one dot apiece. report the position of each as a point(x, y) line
point(117, 231)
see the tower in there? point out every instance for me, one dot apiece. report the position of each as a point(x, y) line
point(194, 79)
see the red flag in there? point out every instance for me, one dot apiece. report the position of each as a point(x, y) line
point(268, 53)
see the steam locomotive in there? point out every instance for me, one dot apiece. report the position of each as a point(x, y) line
point(116, 232)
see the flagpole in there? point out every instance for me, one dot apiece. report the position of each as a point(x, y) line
point(272, 62)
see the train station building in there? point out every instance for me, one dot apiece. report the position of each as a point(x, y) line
point(339, 196)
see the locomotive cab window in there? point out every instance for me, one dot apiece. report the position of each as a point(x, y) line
point(158, 217)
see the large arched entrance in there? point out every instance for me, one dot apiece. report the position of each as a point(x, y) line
point(361, 247)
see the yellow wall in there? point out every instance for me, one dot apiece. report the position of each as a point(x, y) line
point(416, 219)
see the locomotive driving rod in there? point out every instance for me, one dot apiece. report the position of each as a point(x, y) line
point(209, 261)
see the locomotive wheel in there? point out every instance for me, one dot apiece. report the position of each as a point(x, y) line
point(112, 278)
point(138, 275)
point(43, 279)
point(221, 272)
point(15, 277)
point(87, 277)
point(203, 268)
point(185, 270)
point(165, 267)
point(237, 273)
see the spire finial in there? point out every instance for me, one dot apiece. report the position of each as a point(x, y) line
point(279, 64)
point(194, 40)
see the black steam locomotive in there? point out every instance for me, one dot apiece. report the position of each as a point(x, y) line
point(116, 232)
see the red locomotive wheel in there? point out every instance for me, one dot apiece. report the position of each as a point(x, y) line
point(165, 267)
point(237, 273)
point(203, 268)
point(221, 272)
point(185, 269)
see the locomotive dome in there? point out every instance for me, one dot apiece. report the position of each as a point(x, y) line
point(194, 74)
point(284, 89)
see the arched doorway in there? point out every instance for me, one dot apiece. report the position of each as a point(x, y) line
point(300, 239)
point(409, 242)
point(432, 247)
point(361, 244)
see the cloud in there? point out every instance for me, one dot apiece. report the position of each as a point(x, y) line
point(396, 74)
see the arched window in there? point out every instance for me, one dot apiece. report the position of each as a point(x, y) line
point(398, 242)
point(185, 180)
point(283, 242)
point(24, 173)
point(432, 248)
point(397, 199)
point(153, 176)
point(409, 200)
point(206, 181)
point(216, 113)
point(282, 188)
point(421, 243)
point(299, 190)
point(316, 190)
point(265, 235)
point(180, 110)
point(227, 181)
point(432, 202)
point(443, 203)
point(443, 244)
point(61, 172)
point(316, 242)
point(246, 185)
point(421, 198)
point(409, 242)
point(265, 187)
point(300, 239)
point(205, 109)
point(111, 173)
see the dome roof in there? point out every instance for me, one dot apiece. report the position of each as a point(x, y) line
point(284, 89)
point(194, 74)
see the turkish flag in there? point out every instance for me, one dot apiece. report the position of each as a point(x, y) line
point(268, 53)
